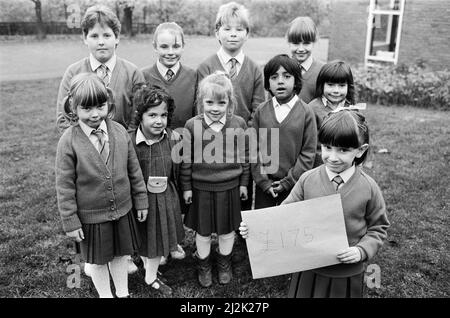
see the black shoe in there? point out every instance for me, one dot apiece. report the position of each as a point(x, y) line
point(160, 287)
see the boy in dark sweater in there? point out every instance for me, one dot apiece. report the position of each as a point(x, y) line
point(294, 121)
point(232, 29)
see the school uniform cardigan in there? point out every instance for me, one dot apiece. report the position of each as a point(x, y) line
point(364, 210)
point(216, 176)
point(125, 80)
point(309, 81)
point(89, 191)
point(296, 144)
point(248, 84)
point(182, 88)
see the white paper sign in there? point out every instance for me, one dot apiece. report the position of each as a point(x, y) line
point(295, 237)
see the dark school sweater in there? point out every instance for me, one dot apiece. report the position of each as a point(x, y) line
point(182, 88)
point(309, 80)
point(233, 170)
point(296, 145)
point(248, 84)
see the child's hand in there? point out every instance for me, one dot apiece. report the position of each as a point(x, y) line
point(187, 196)
point(243, 230)
point(272, 192)
point(243, 193)
point(142, 215)
point(350, 255)
point(78, 235)
point(278, 189)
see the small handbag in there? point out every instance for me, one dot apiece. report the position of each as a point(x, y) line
point(156, 184)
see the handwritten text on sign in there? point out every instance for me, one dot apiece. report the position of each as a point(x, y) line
point(295, 237)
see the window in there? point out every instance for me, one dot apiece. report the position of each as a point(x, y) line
point(383, 30)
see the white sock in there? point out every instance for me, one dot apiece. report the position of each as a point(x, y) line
point(203, 244)
point(119, 274)
point(151, 268)
point(100, 278)
point(226, 242)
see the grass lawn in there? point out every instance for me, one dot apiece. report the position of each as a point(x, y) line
point(25, 58)
point(413, 177)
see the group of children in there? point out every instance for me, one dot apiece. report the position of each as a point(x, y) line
point(124, 187)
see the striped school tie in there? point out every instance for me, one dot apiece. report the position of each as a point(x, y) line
point(102, 72)
point(233, 69)
point(169, 75)
point(103, 145)
point(337, 181)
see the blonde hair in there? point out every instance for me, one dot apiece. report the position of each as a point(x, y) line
point(172, 27)
point(232, 11)
point(87, 90)
point(219, 85)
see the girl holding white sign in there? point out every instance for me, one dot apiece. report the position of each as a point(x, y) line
point(344, 138)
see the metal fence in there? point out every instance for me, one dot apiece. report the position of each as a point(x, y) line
point(29, 28)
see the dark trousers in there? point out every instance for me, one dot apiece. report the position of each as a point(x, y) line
point(247, 204)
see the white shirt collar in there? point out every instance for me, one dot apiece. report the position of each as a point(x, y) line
point(326, 103)
point(290, 104)
point(345, 175)
point(141, 138)
point(209, 122)
point(224, 57)
point(111, 63)
point(88, 130)
point(307, 64)
point(162, 69)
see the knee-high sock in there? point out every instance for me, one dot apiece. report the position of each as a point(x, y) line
point(119, 273)
point(100, 278)
point(151, 266)
point(226, 242)
point(203, 244)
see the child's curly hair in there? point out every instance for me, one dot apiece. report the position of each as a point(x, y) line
point(152, 96)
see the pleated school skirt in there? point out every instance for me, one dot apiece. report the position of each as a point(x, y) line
point(214, 212)
point(309, 284)
point(104, 241)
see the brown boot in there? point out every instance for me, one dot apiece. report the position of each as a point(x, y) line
point(224, 268)
point(204, 269)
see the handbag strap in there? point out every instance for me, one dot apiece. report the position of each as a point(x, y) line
point(162, 157)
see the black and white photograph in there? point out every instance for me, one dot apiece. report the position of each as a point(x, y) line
point(228, 154)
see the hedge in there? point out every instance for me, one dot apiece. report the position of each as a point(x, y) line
point(403, 85)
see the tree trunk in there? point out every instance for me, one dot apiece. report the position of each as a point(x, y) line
point(128, 21)
point(39, 24)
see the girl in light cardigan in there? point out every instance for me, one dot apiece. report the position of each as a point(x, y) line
point(98, 180)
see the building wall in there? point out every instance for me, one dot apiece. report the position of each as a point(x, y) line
point(348, 30)
point(426, 33)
